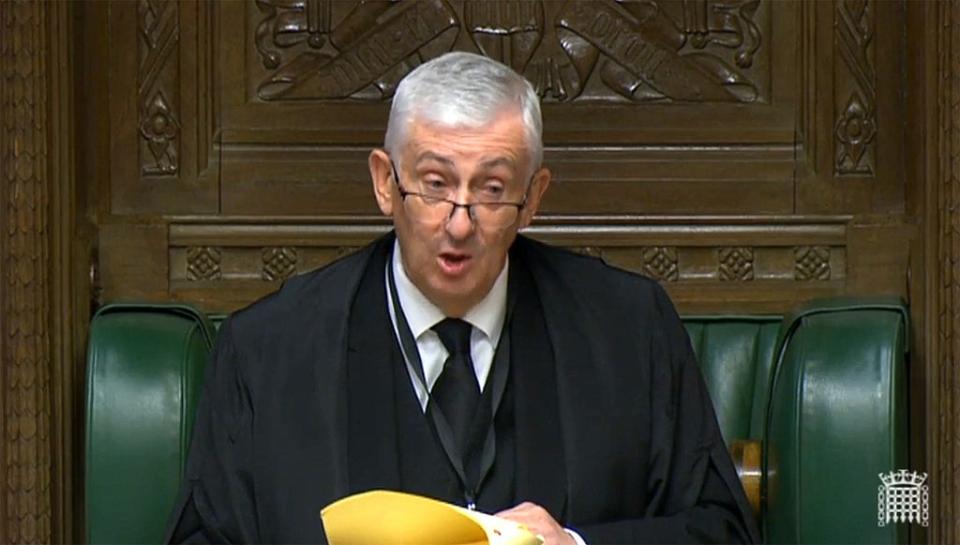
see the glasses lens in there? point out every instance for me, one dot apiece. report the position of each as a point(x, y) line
point(434, 210)
point(494, 215)
point(427, 209)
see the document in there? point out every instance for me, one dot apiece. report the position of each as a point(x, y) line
point(383, 517)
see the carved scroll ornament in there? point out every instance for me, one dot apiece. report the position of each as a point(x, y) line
point(640, 51)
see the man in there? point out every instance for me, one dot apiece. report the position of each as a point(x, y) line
point(456, 360)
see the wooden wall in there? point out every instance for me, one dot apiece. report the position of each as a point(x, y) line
point(749, 154)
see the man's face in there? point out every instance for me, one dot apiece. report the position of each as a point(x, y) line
point(454, 261)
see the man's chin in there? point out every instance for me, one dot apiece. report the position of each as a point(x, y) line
point(454, 298)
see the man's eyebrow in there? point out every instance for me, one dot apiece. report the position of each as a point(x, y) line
point(499, 161)
point(486, 164)
point(431, 156)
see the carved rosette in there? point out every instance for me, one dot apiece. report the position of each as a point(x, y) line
point(278, 263)
point(856, 95)
point(735, 263)
point(25, 296)
point(158, 74)
point(660, 263)
point(811, 263)
point(697, 50)
point(159, 128)
point(856, 131)
point(203, 263)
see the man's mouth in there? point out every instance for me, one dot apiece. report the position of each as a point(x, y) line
point(453, 263)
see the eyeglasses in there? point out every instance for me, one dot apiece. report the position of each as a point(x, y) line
point(434, 207)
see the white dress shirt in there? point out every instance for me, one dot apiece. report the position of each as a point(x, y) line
point(486, 318)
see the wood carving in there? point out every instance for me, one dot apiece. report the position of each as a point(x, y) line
point(219, 262)
point(159, 33)
point(642, 47)
point(856, 125)
point(812, 263)
point(352, 61)
point(279, 263)
point(735, 263)
point(728, 24)
point(25, 296)
point(660, 263)
point(695, 50)
point(203, 263)
point(945, 281)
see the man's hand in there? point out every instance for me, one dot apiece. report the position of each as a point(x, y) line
point(539, 522)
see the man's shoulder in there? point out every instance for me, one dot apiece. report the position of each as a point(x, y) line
point(583, 273)
point(304, 298)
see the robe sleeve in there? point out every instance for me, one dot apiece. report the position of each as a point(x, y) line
point(217, 502)
point(694, 493)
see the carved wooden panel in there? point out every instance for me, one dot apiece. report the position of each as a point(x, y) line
point(307, 180)
point(693, 108)
point(856, 92)
point(158, 72)
point(25, 350)
point(851, 107)
point(941, 302)
point(756, 264)
point(163, 107)
point(672, 85)
point(699, 50)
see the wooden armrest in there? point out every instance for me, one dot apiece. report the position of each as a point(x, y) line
point(746, 458)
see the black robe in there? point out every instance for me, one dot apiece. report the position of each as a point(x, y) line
point(638, 459)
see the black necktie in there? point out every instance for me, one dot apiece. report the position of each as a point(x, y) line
point(456, 392)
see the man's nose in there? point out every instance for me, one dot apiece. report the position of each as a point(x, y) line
point(460, 225)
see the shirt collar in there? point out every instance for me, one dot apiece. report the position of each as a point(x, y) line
point(487, 315)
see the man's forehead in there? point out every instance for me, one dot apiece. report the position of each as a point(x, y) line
point(489, 161)
point(499, 143)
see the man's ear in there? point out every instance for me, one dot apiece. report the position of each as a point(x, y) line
point(381, 173)
point(538, 186)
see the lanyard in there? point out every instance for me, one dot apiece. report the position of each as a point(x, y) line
point(498, 379)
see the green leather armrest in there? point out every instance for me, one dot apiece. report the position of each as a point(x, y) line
point(837, 418)
point(735, 354)
point(145, 369)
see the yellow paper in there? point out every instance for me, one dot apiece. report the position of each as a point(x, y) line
point(383, 517)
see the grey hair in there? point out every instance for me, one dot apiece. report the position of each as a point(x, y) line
point(461, 89)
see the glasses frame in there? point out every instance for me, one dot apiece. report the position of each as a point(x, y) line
point(469, 206)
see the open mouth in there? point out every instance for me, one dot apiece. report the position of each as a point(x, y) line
point(453, 263)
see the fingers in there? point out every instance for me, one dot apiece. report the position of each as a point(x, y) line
point(539, 521)
point(525, 507)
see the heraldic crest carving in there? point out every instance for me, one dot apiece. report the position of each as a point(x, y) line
point(623, 50)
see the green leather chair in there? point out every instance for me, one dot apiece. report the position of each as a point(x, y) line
point(144, 376)
point(822, 394)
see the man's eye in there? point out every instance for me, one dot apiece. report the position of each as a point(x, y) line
point(434, 184)
point(491, 191)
